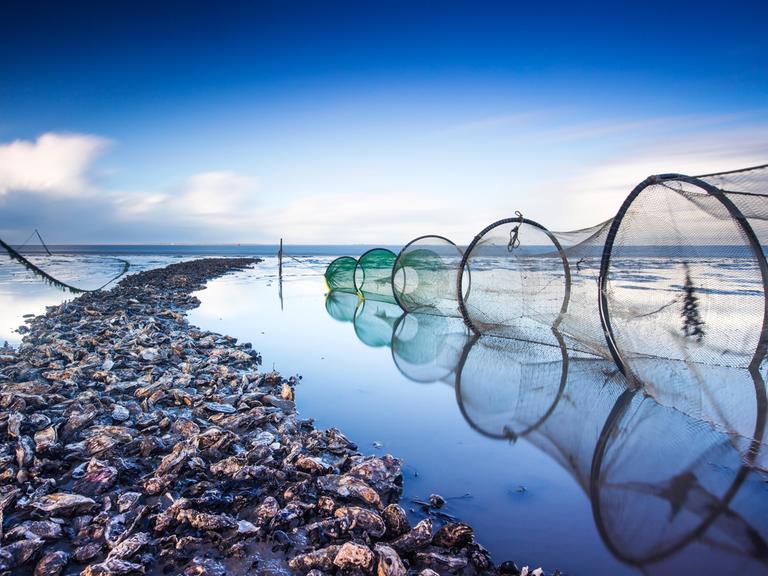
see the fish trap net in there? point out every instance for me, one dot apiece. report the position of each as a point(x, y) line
point(425, 274)
point(683, 274)
point(373, 275)
point(340, 274)
point(520, 281)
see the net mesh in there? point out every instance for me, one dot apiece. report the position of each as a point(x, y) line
point(683, 278)
point(340, 274)
point(520, 282)
point(373, 275)
point(425, 274)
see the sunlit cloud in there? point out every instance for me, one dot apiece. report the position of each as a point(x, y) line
point(54, 164)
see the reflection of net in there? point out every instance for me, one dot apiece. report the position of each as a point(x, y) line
point(425, 274)
point(426, 347)
point(341, 305)
point(519, 281)
point(683, 276)
point(659, 479)
point(340, 274)
point(506, 388)
point(690, 497)
point(373, 274)
point(375, 320)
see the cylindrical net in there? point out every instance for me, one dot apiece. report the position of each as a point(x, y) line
point(340, 274)
point(373, 275)
point(683, 277)
point(520, 281)
point(425, 274)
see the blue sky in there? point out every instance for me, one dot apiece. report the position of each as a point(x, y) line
point(363, 121)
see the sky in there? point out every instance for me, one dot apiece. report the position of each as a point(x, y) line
point(363, 121)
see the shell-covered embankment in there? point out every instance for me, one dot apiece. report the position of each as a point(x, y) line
point(134, 443)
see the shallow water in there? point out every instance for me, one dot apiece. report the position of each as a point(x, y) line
point(546, 453)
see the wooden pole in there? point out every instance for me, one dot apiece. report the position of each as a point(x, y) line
point(280, 259)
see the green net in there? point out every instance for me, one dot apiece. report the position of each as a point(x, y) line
point(340, 274)
point(425, 274)
point(373, 275)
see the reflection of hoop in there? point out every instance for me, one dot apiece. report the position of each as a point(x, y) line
point(398, 358)
point(618, 411)
point(537, 423)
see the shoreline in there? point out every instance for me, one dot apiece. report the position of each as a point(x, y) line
point(136, 443)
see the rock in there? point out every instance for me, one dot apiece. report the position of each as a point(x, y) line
point(322, 559)
point(453, 535)
point(19, 553)
point(112, 567)
point(509, 567)
point(419, 537)
point(52, 564)
point(396, 521)
point(436, 501)
point(389, 562)
point(354, 556)
point(350, 488)
point(358, 519)
point(120, 413)
point(439, 562)
point(63, 504)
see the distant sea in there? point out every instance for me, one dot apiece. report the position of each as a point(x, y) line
point(206, 249)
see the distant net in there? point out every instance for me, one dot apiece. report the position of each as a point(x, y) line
point(683, 274)
point(340, 274)
point(373, 274)
point(425, 274)
point(427, 348)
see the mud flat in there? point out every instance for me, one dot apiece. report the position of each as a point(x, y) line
point(134, 443)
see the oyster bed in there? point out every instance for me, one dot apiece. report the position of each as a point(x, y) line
point(132, 442)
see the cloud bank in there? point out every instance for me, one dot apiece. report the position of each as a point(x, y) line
point(54, 164)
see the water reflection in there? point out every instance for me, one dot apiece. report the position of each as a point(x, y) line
point(673, 472)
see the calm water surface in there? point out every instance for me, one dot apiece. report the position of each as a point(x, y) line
point(547, 454)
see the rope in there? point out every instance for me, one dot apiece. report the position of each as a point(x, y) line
point(514, 241)
point(43, 242)
point(28, 239)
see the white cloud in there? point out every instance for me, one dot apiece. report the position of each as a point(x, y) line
point(217, 194)
point(54, 164)
point(595, 192)
point(373, 218)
